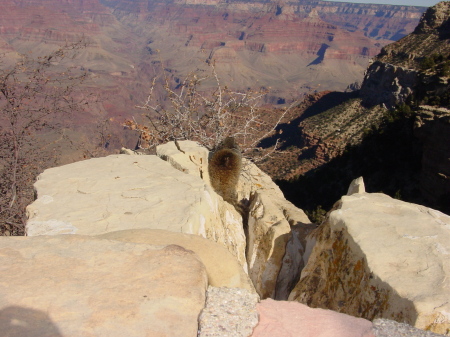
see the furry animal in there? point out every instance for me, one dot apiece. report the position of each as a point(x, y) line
point(224, 169)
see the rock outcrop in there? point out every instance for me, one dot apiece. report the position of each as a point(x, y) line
point(400, 71)
point(227, 273)
point(388, 84)
point(130, 192)
point(73, 285)
point(379, 257)
point(372, 131)
point(373, 257)
point(269, 222)
point(416, 69)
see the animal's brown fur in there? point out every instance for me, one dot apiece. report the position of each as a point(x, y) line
point(224, 169)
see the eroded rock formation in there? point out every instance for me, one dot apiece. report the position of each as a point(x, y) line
point(415, 69)
point(269, 222)
point(74, 285)
point(380, 257)
point(374, 256)
point(133, 192)
point(292, 47)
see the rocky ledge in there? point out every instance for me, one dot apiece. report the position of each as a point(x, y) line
point(145, 236)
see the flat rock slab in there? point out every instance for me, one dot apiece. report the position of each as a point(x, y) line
point(285, 319)
point(117, 192)
point(377, 256)
point(222, 267)
point(73, 285)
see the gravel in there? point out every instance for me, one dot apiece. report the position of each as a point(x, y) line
point(229, 312)
point(387, 328)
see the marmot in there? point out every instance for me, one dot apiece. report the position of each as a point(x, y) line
point(224, 169)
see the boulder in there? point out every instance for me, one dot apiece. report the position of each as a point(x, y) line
point(298, 250)
point(126, 192)
point(121, 192)
point(222, 267)
point(268, 233)
point(281, 318)
point(387, 84)
point(189, 158)
point(275, 247)
point(380, 257)
point(271, 220)
point(73, 285)
point(356, 186)
point(268, 221)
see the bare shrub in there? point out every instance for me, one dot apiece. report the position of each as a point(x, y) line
point(33, 91)
point(190, 113)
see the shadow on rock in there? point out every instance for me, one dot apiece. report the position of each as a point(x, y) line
point(26, 322)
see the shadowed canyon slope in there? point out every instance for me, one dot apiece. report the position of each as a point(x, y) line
point(394, 131)
point(290, 48)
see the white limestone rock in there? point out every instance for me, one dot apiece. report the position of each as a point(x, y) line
point(271, 219)
point(121, 192)
point(380, 257)
point(73, 285)
point(356, 186)
point(192, 159)
point(270, 215)
point(268, 233)
point(298, 250)
point(222, 267)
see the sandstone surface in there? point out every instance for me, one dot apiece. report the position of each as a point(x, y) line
point(297, 252)
point(272, 222)
point(269, 220)
point(192, 159)
point(72, 285)
point(280, 318)
point(222, 267)
point(380, 257)
point(120, 192)
point(111, 193)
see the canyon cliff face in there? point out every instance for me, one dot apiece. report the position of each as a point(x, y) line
point(286, 49)
point(289, 48)
point(394, 132)
point(415, 70)
point(402, 69)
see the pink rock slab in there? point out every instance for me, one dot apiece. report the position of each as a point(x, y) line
point(282, 318)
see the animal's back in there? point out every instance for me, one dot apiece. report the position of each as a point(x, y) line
point(225, 168)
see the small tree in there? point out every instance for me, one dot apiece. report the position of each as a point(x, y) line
point(33, 91)
point(427, 63)
point(192, 114)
